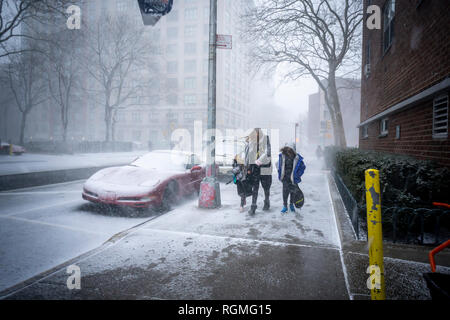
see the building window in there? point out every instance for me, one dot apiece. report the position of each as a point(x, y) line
point(172, 32)
point(190, 66)
point(136, 135)
point(172, 83)
point(190, 100)
point(190, 31)
point(136, 117)
point(368, 56)
point(440, 117)
point(172, 99)
point(388, 27)
point(173, 16)
point(171, 49)
point(384, 127)
point(172, 67)
point(397, 132)
point(190, 83)
point(190, 13)
point(152, 116)
point(190, 48)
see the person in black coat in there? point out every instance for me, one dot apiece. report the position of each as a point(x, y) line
point(290, 169)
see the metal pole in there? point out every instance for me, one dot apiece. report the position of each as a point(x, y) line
point(210, 188)
point(374, 235)
point(295, 136)
point(211, 154)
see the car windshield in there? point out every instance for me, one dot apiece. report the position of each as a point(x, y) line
point(166, 161)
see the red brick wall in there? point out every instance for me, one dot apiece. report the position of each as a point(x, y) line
point(418, 58)
point(415, 135)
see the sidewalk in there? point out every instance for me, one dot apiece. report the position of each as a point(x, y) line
point(32, 162)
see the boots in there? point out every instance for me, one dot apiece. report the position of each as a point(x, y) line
point(252, 210)
point(266, 205)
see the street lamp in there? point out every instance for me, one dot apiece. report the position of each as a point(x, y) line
point(153, 10)
point(210, 188)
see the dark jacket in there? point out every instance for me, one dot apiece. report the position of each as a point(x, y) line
point(299, 168)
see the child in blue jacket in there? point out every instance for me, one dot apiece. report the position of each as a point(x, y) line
point(290, 169)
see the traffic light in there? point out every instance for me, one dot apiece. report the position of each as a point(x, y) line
point(153, 10)
point(328, 124)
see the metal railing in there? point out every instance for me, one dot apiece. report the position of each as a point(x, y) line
point(423, 226)
point(349, 202)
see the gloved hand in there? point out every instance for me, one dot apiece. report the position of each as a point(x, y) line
point(258, 163)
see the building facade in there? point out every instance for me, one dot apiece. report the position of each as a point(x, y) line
point(405, 81)
point(184, 42)
point(179, 92)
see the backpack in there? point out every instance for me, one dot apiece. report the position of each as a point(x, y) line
point(297, 196)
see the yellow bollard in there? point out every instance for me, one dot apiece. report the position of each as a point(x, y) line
point(10, 149)
point(374, 234)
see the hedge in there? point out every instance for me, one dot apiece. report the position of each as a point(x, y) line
point(405, 181)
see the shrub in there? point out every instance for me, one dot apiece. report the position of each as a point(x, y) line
point(405, 181)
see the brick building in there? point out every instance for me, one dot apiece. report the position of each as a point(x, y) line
point(406, 80)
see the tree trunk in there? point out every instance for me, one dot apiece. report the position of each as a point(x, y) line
point(338, 123)
point(108, 124)
point(113, 131)
point(64, 132)
point(22, 127)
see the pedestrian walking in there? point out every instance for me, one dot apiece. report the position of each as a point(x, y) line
point(244, 189)
point(290, 169)
point(319, 152)
point(258, 165)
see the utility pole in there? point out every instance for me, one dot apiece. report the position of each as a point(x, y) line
point(295, 136)
point(210, 188)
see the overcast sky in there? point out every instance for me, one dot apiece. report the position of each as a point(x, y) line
point(293, 96)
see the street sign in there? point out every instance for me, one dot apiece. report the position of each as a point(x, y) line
point(153, 10)
point(224, 41)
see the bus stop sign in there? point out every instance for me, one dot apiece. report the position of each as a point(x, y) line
point(153, 10)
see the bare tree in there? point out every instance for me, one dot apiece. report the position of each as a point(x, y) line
point(24, 77)
point(15, 15)
point(118, 52)
point(317, 38)
point(63, 73)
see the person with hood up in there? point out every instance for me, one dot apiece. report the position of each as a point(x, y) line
point(290, 169)
point(258, 166)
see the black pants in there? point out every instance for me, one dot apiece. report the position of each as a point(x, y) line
point(286, 191)
point(257, 178)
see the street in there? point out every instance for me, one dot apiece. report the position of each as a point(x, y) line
point(187, 253)
point(42, 227)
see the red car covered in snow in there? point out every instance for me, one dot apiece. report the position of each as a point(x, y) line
point(157, 179)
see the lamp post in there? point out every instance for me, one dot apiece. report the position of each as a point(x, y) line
point(210, 188)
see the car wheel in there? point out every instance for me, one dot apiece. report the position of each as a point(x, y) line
point(169, 196)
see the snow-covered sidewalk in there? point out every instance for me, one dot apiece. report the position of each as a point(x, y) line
point(30, 162)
